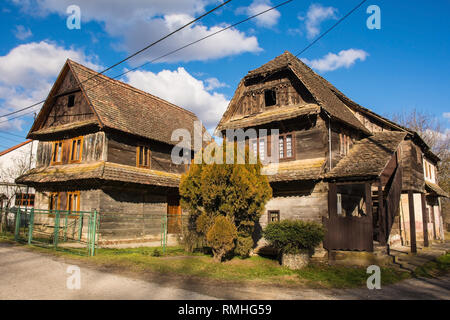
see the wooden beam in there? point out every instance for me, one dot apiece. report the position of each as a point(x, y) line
point(412, 223)
point(382, 217)
point(332, 200)
point(425, 221)
point(433, 221)
point(369, 209)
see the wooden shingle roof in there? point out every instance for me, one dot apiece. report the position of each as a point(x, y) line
point(433, 188)
point(369, 156)
point(99, 171)
point(122, 107)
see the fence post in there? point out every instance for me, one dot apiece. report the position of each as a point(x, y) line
point(66, 221)
point(165, 234)
point(56, 231)
point(80, 227)
point(17, 230)
point(30, 226)
point(94, 233)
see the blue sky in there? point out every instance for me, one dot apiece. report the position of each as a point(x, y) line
point(402, 66)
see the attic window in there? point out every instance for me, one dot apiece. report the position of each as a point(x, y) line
point(71, 101)
point(270, 98)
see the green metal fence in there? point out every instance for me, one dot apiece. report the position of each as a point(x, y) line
point(74, 230)
point(79, 231)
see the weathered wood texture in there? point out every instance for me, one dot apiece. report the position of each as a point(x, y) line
point(130, 215)
point(336, 129)
point(93, 150)
point(289, 91)
point(411, 162)
point(60, 113)
point(348, 232)
point(412, 222)
point(122, 150)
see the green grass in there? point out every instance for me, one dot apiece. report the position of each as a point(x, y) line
point(254, 269)
point(438, 267)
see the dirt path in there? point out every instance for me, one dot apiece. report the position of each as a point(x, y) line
point(29, 275)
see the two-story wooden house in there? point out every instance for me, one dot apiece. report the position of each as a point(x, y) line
point(107, 146)
point(339, 163)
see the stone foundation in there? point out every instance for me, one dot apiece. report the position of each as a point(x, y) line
point(295, 261)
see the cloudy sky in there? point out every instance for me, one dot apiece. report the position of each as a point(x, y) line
point(402, 66)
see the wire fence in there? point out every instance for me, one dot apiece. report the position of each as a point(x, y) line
point(82, 232)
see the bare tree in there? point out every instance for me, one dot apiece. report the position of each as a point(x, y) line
point(22, 163)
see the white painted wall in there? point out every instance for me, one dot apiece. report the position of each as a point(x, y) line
point(9, 168)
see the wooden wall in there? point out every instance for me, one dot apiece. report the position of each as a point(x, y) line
point(131, 214)
point(122, 150)
point(93, 150)
point(289, 91)
point(336, 129)
point(60, 113)
point(411, 161)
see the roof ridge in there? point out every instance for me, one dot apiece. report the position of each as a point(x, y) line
point(130, 87)
point(15, 147)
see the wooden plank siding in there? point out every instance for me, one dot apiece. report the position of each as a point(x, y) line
point(122, 150)
point(60, 113)
point(93, 150)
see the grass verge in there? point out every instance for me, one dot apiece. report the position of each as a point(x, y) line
point(438, 267)
point(257, 270)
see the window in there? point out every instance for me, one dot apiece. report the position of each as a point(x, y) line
point(143, 157)
point(73, 201)
point(57, 152)
point(255, 147)
point(76, 149)
point(24, 199)
point(54, 201)
point(259, 147)
point(344, 143)
point(262, 149)
point(285, 145)
point(71, 100)
point(270, 98)
point(274, 216)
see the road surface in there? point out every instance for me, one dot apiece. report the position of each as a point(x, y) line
point(25, 274)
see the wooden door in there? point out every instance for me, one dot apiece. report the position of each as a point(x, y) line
point(173, 214)
point(349, 233)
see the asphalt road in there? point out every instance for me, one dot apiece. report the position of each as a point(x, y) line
point(30, 275)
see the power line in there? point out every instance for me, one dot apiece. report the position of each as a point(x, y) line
point(132, 55)
point(322, 34)
point(10, 139)
point(198, 40)
point(11, 134)
point(176, 50)
point(331, 28)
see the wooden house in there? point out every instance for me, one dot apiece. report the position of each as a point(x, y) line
point(339, 163)
point(106, 146)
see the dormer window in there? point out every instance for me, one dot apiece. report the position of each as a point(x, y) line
point(270, 98)
point(71, 100)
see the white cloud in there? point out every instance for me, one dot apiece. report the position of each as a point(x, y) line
point(139, 22)
point(214, 83)
point(181, 88)
point(22, 33)
point(332, 61)
point(446, 115)
point(267, 19)
point(315, 16)
point(28, 71)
